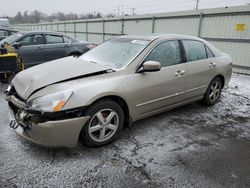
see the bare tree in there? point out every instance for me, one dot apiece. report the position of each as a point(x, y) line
point(37, 16)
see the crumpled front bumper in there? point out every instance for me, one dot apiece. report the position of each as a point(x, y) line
point(60, 133)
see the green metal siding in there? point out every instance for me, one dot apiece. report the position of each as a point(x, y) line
point(215, 25)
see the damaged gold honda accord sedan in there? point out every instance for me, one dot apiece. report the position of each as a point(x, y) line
point(122, 80)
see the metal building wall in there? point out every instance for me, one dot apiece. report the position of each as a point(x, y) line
point(219, 26)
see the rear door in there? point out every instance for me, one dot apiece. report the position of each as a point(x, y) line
point(159, 90)
point(29, 51)
point(200, 67)
point(55, 47)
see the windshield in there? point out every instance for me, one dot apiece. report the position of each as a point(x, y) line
point(11, 39)
point(115, 53)
point(3, 34)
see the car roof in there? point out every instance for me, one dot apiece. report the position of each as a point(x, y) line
point(38, 31)
point(6, 29)
point(155, 36)
point(46, 32)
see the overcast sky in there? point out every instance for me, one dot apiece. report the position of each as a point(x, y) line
point(11, 7)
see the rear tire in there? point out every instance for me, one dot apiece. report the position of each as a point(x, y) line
point(213, 92)
point(76, 55)
point(105, 123)
point(3, 80)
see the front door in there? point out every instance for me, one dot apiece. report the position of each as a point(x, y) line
point(30, 49)
point(158, 90)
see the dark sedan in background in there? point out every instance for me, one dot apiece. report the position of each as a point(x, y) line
point(37, 47)
point(6, 32)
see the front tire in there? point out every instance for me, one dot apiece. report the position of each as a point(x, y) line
point(105, 123)
point(213, 92)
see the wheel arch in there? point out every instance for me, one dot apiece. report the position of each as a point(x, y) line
point(119, 100)
point(75, 52)
point(222, 79)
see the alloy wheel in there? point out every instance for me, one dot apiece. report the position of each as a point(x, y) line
point(215, 91)
point(103, 125)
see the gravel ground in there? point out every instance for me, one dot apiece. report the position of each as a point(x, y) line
point(192, 146)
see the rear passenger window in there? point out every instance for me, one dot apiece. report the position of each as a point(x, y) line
point(53, 39)
point(209, 53)
point(195, 50)
point(167, 53)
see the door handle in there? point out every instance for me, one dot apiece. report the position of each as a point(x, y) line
point(179, 73)
point(39, 47)
point(67, 45)
point(212, 64)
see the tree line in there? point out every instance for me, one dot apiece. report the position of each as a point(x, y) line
point(37, 17)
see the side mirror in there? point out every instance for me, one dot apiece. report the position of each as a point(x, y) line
point(150, 66)
point(17, 45)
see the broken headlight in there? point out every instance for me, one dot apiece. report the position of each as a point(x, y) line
point(50, 103)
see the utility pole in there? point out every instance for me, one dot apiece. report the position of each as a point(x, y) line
point(197, 4)
point(119, 9)
point(133, 11)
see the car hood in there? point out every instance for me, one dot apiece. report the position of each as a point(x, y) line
point(30, 80)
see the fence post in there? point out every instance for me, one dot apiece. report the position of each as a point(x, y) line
point(200, 24)
point(103, 30)
point(122, 30)
point(153, 24)
point(75, 29)
point(64, 27)
point(87, 37)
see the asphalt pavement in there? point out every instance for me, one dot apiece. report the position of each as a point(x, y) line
point(192, 146)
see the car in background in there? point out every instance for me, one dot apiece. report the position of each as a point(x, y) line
point(6, 32)
point(4, 23)
point(36, 47)
point(120, 81)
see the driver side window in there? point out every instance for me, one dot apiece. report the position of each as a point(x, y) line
point(32, 40)
point(167, 53)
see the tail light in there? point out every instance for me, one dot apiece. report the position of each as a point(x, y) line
point(91, 46)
